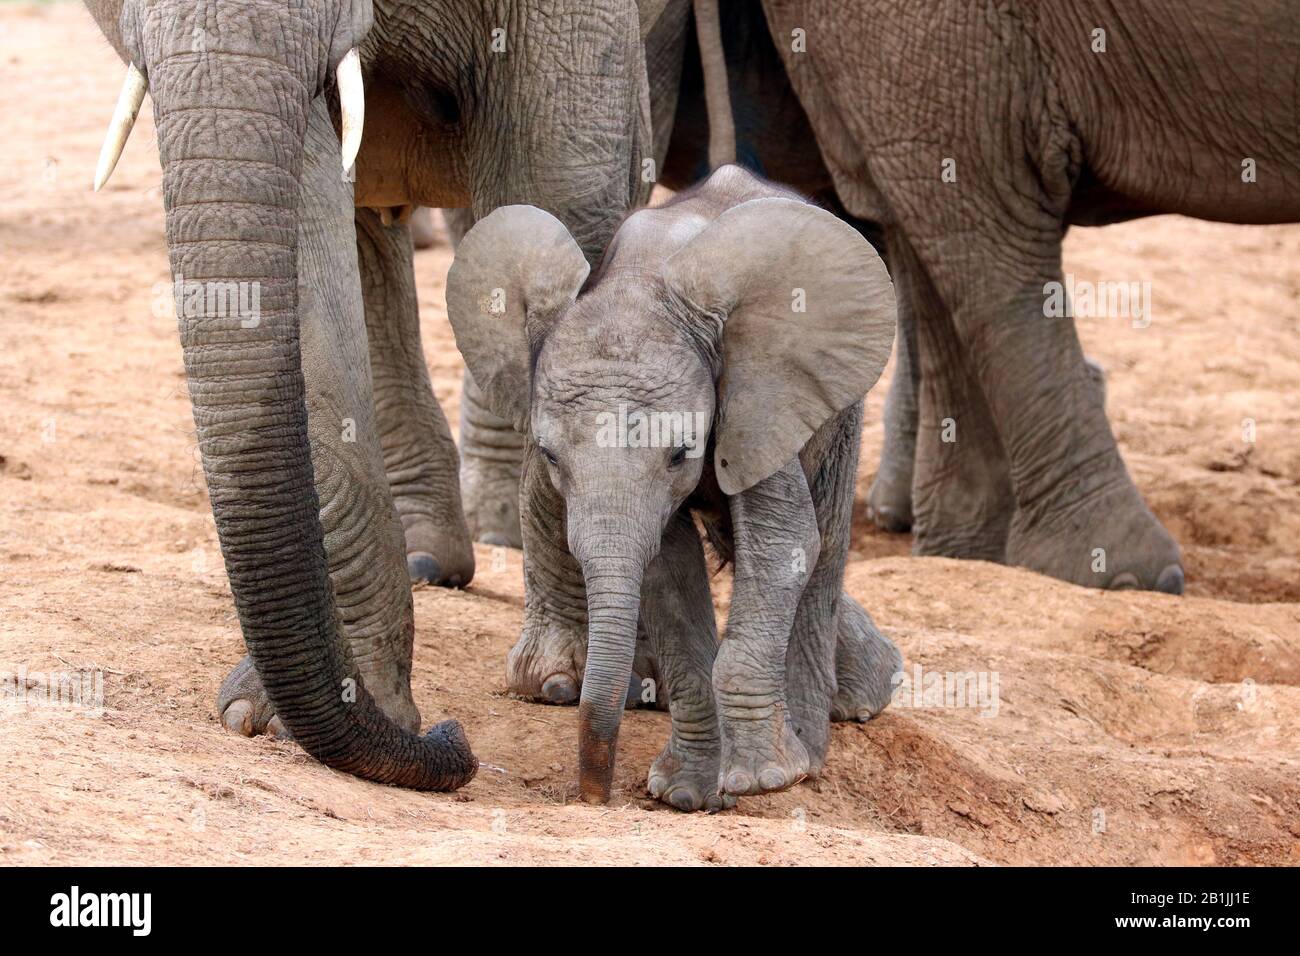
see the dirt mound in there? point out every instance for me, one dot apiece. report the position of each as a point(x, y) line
point(1045, 724)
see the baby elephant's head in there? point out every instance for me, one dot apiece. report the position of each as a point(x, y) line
point(762, 324)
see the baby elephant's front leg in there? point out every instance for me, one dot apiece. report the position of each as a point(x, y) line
point(677, 613)
point(776, 545)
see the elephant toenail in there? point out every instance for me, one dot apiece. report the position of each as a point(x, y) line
point(1125, 581)
point(560, 689)
point(683, 799)
point(238, 718)
point(276, 728)
point(421, 566)
point(738, 782)
point(719, 802)
point(656, 787)
point(1171, 580)
point(771, 779)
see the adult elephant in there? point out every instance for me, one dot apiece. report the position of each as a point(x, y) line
point(474, 104)
point(970, 137)
point(976, 134)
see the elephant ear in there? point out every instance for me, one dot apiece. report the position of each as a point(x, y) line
point(808, 321)
point(518, 267)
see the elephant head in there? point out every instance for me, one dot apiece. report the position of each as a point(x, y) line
point(738, 336)
point(552, 110)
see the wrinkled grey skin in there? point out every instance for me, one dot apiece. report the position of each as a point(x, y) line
point(1044, 133)
point(325, 454)
point(690, 311)
point(491, 450)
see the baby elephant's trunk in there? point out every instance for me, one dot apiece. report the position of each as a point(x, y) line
point(613, 554)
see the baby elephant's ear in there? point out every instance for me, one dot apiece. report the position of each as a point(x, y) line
point(517, 265)
point(808, 312)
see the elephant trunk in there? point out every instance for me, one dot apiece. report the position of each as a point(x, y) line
point(231, 129)
point(613, 554)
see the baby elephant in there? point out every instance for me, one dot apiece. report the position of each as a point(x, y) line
point(714, 366)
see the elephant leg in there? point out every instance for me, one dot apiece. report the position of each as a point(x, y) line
point(865, 664)
point(776, 543)
point(963, 501)
point(490, 455)
point(889, 502)
point(362, 534)
point(491, 451)
point(1078, 516)
point(810, 663)
point(547, 661)
point(419, 454)
point(677, 614)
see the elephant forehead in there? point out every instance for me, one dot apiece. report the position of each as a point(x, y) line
point(600, 383)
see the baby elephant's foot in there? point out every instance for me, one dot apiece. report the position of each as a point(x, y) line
point(865, 664)
point(761, 753)
point(688, 780)
point(244, 708)
point(546, 664)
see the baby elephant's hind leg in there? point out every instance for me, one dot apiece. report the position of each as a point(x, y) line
point(865, 664)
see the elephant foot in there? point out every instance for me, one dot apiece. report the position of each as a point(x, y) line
point(244, 708)
point(688, 779)
point(1110, 539)
point(889, 502)
point(761, 753)
point(865, 664)
point(439, 556)
point(490, 490)
point(547, 662)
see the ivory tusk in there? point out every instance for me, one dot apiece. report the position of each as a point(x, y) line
point(119, 128)
point(352, 104)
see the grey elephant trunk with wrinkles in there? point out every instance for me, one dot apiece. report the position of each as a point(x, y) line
point(231, 182)
point(613, 551)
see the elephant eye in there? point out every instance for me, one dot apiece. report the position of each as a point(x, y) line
point(549, 457)
point(679, 456)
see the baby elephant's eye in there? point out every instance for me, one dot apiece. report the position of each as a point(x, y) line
point(549, 457)
point(679, 456)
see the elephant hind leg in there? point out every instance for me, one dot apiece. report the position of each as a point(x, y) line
point(963, 499)
point(420, 457)
point(889, 502)
point(491, 451)
point(865, 664)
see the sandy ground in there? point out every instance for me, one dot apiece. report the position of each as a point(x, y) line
point(1128, 728)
